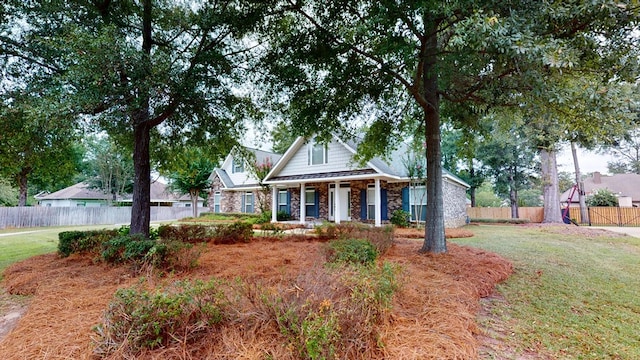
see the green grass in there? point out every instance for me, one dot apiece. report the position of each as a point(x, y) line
point(571, 297)
point(21, 244)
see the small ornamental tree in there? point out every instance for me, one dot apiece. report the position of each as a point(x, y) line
point(193, 177)
point(260, 169)
point(602, 197)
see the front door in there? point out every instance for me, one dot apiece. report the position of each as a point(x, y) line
point(344, 197)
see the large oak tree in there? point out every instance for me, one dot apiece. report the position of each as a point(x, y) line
point(144, 68)
point(388, 62)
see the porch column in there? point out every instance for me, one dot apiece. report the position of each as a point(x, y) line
point(336, 203)
point(303, 200)
point(274, 204)
point(377, 204)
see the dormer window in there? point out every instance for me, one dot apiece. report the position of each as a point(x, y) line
point(317, 153)
point(238, 166)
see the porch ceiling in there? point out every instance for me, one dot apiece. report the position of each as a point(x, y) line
point(326, 177)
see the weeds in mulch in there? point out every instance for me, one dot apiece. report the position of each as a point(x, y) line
point(287, 305)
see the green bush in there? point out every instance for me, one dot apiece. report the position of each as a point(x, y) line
point(380, 237)
point(351, 251)
point(137, 319)
point(400, 218)
point(192, 234)
point(602, 197)
point(283, 216)
point(126, 248)
point(237, 232)
point(70, 242)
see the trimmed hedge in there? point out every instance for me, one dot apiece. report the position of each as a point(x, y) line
point(70, 242)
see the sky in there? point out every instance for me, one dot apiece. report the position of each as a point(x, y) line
point(589, 161)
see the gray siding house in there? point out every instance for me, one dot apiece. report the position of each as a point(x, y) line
point(322, 182)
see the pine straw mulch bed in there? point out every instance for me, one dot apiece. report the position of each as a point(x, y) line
point(433, 314)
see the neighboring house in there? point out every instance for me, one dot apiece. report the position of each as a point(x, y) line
point(234, 187)
point(314, 181)
point(626, 186)
point(75, 195)
point(81, 195)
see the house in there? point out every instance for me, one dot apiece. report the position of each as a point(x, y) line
point(81, 194)
point(75, 195)
point(626, 186)
point(235, 187)
point(314, 181)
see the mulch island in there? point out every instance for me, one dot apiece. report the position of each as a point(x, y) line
point(278, 298)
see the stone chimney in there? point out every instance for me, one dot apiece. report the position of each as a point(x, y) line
point(597, 177)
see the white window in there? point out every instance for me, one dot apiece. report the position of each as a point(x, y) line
point(310, 202)
point(418, 202)
point(282, 201)
point(217, 197)
point(317, 153)
point(238, 166)
point(371, 202)
point(248, 202)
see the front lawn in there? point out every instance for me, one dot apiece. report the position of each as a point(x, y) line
point(574, 291)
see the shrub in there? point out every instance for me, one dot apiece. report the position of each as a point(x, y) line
point(283, 216)
point(602, 197)
point(334, 313)
point(192, 234)
point(126, 248)
point(400, 218)
point(351, 251)
point(380, 237)
point(237, 232)
point(70, 242)
point(264, 218)
point(137, 319)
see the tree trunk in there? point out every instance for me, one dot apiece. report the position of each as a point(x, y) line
point(140, 207)
point(23, 186)
point(584, 212)
point(513, 194)
point(434, 241)
point(472, 189)
point(549, 169)
point(194, 201)
point(141, 202)
point(513, 201)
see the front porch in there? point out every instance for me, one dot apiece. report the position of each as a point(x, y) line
point(363, 200)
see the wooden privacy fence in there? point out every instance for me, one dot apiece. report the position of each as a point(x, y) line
point(599, 216)
point(21, 217)
point(609, 216)
point(534, 214)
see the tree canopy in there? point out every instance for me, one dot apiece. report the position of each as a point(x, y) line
point(391, 64)
point(144, 69)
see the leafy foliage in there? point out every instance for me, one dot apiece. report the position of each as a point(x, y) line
point(351, 251)
point(109, 168)
point(8, 194)
point(138, 319)
point(602, 197)
point(70, 242)
point(400, 218)
point(192, 176)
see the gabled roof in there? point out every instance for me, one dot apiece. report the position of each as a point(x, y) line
point(159, 193)
point(260, 155)
point(620, 184)
point(393, 168)
point(79, 191)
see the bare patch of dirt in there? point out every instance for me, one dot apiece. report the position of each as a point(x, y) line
point(434, 314)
